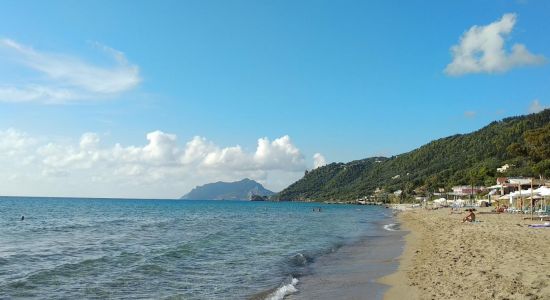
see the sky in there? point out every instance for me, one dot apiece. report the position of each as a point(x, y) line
point(148, 99)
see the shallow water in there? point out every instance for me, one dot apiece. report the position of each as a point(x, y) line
point(353, 271)
point(112, 248)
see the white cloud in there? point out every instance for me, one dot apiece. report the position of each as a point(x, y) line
point(482, 50)
point(13, 142)
point(89, 141)
point(470, 114)
point(280, 152)
point(232, 157)
point(160, 168)
point(161, 148)
point(318, 160)
point(32, 93)
point(62, 78)
point(536, 107)
point(196, 149)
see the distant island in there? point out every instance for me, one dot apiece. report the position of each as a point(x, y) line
point(245, 189)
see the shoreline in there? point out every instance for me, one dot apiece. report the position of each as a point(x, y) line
point(498, 258)
point(353, 270)
point(397, 281)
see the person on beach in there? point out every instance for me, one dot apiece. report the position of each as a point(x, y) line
point(501, 209)
point(471, 217)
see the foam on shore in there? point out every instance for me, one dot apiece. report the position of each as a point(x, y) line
point(284, 290)
point(352, 271)
point(391, 227)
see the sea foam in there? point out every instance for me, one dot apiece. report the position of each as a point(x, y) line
point(391, 227)
point(284, 290)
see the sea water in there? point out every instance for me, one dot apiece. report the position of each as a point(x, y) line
point(166, 249)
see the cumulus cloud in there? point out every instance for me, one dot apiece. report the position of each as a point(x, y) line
point(318, 160)
point(280, 152)
point(159, 167)
point(13, 142)
point(536, 107)
point(62, 78)
point(482, 50)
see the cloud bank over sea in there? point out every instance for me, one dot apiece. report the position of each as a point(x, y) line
point(159, 167)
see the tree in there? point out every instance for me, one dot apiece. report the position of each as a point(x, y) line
point(515, 149)
point(542, 168)
point(537, 143)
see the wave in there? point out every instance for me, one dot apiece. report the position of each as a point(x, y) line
point(300, 260)
point(284, 290)
point(70, 227)
point(392, 227)
point(175, 253)
point(84, 267)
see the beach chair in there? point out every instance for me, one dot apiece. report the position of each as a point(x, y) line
point(542, 214)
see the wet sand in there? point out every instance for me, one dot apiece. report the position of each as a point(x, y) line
point(352, 272)
point(498, 258)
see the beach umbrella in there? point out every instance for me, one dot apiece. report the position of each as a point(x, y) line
point(521, 193)
point(543, 191)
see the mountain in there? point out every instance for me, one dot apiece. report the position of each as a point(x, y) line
point(463, 159)
point(239, 190)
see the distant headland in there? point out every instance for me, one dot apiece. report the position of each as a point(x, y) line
point(245, 189)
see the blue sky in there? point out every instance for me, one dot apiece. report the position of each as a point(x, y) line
point(346, 79)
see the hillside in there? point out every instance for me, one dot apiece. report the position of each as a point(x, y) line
point(239, 190)
point(461, 159)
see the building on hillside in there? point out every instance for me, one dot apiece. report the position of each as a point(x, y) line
point(504, 168)
point(466, 190)
point(507, 185)
point(514, 183)
point(502, 180)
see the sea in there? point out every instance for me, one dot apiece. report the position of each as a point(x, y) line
point(73, 248)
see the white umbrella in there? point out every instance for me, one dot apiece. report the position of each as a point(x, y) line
point(521, 193)
point(543, 191)
point(504, 197)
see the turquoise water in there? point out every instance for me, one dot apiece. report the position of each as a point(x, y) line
point(142, 249)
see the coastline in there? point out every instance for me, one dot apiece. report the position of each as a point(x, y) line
point(353, 270)
point(398, 287)
point(498, 258)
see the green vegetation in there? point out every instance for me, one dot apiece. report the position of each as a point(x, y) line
point(470, 159)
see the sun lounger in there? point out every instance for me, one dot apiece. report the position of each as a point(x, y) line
point(545, 225)
point(541, 217)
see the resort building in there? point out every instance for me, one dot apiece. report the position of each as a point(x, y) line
point(465, 190)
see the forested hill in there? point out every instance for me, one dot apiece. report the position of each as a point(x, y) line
point(461, 159)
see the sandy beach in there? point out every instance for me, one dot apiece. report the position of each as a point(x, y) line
point(498, 258)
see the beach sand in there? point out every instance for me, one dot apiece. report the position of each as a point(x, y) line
point(498, 258)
